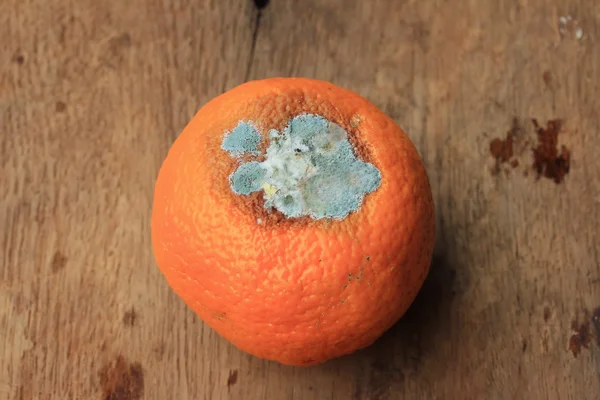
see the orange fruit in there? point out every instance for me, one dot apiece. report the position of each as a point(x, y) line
point(295, 218)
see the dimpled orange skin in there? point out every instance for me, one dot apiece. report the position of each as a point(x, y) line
point(297, 291)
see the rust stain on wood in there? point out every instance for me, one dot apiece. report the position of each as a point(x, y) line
point(233, 378)
point(548, 161)
point(580, 338)
point(122, 380)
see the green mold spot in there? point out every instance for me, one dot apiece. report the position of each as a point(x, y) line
point(244, 138)
point(248, 178)
point(309, 169)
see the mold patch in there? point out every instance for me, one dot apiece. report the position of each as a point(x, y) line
point(309, 169)
point(248, 178)
point(244, 138)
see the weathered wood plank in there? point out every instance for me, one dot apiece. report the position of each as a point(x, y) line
point(93, 93)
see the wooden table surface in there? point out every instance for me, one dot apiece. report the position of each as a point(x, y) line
point(93, 93)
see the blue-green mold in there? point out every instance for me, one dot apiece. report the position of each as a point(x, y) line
point(248, 178)
point(244, 138)
point(309, 169)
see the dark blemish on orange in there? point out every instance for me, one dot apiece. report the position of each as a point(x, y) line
point(59, 261)
point(122, 381)
point(547, 161)
point(581, 337)
point(547, 77)
point(60, 106)
point(220, 316)
point(232, 379)
point(19, 59)
point(130, 317)
point(524, 346)
point(547, 314)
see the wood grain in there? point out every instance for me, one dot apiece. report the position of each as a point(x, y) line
point(92, 94)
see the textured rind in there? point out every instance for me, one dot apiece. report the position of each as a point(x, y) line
point(298, 292)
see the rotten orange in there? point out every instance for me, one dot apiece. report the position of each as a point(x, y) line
point(295, 218)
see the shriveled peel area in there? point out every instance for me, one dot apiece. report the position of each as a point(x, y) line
point(310, 168)
point(296, 290)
